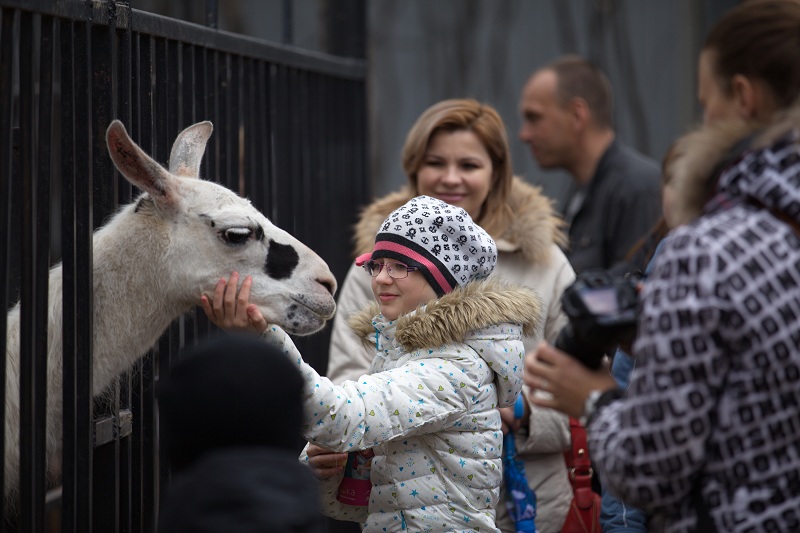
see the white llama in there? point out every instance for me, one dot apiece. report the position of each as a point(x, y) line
point(154, 259)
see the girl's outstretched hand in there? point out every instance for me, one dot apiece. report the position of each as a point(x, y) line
point(230, 309)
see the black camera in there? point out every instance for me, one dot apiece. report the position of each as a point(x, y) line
point(602, 309)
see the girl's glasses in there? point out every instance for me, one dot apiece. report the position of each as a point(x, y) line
point(395, 270)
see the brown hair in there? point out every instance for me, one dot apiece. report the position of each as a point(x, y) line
point(759, 39)
point(486, 124)
point(580, 78)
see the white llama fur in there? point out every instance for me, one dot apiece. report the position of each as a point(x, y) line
point(153, 260)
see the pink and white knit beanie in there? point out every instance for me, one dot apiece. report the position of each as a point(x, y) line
point(442, 240)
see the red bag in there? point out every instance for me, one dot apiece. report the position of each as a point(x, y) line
point(584, 511)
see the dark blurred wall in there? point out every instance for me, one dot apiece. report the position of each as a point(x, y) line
point(420, 52)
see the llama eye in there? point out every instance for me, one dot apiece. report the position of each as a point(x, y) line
point(236, 235)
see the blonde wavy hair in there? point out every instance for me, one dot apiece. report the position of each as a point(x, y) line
point(482, 120)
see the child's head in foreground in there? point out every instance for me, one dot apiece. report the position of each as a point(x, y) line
point(228, 392)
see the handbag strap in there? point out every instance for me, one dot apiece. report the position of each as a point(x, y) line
point(579, 465)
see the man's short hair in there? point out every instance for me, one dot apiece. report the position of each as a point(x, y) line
point(578, 77)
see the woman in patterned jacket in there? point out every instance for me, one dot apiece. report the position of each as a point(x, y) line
point(448, 354)
point(706, 437)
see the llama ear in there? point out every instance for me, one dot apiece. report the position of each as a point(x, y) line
point(187, 151)
point(139, 168)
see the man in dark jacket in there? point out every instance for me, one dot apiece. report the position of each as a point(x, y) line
point(230, 415)
point(566, 111)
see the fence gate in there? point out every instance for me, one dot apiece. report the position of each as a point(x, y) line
point(289, 133)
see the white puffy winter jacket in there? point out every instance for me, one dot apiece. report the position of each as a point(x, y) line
point(428, 408)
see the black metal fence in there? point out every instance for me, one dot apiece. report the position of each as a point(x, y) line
point(289, 132)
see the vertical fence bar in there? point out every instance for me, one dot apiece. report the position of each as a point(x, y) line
point(264, 135)
point(210, 85)
point(236, 125)
point(106, 460)
point(7, 50)
point(281, 138)
point(103, 42)
point(145, 459)
point(186, 91)
point(294, 148)
point(160, 152)
point(162, 473)
point(137, 448)
point(224, 92)
point(201, 96)
point(161, 95)
point(251, 169)
point(84, 277)
point(68, 177)
point(173, 66)
point(124, 71)
point(31, 434)
point(44, 147)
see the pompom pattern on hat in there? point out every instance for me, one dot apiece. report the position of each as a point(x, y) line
point(442, 240)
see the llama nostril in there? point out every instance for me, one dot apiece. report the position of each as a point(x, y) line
point(327, 284)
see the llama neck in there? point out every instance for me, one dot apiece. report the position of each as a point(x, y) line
point(134, 300)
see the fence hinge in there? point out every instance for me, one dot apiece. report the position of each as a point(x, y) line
point(112, 427)
point(116, 14)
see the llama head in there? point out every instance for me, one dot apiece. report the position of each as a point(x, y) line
point(206, 232)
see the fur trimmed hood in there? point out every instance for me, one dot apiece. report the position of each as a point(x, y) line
point(534, 226)
point(701, 154)
point(451, 317)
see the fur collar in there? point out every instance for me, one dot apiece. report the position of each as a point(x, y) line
point(449, 319)
point(699, 154)
point(534, 226)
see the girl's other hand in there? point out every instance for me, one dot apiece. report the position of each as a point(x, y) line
point(325, 463)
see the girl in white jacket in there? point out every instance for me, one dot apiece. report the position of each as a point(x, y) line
point(448, 354)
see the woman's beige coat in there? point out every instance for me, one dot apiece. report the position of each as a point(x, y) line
point(529, 254)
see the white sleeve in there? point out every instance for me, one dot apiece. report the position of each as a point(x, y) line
point(412, 399)
point(348, 358)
